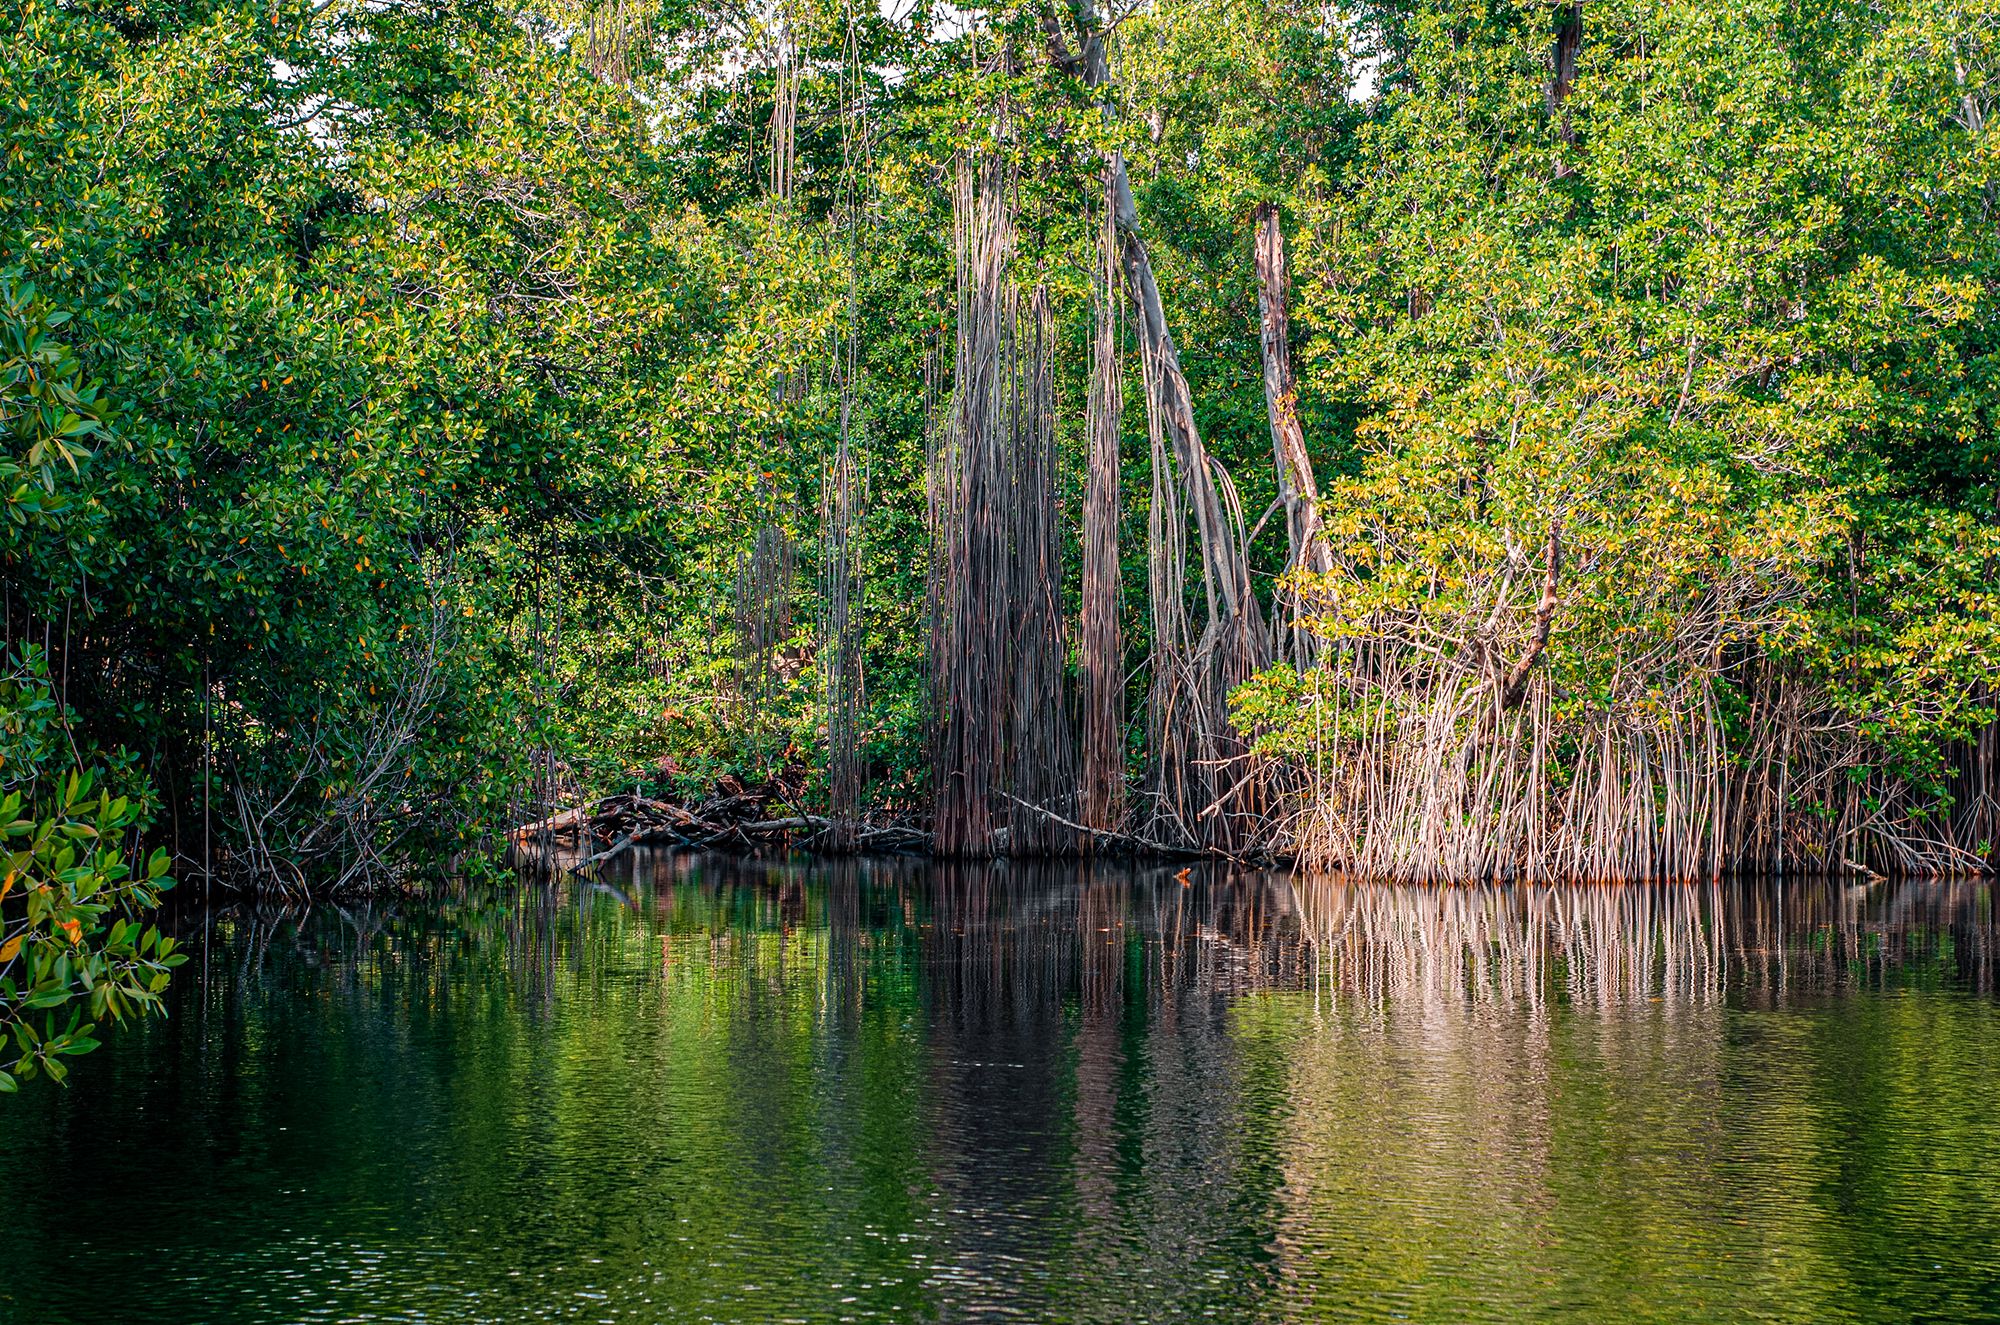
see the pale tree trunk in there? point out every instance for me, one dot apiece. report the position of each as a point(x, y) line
point(1306, 550)
point(1225, 563)
point(1200, 794)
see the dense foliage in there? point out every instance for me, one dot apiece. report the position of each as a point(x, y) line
point(478, 367)
point(74, 950)
point(1722, 314)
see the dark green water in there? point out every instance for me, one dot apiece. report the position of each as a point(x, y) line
point(758, 1092)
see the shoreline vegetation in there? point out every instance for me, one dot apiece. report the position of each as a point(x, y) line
point(1433, 440)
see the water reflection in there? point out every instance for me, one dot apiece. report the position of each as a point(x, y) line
point(1678, 943)
point(999, 938)
point(779, 1089)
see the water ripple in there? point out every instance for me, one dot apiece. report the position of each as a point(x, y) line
point(786, 1090)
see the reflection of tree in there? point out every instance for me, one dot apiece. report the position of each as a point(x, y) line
point(977, 945)
point(1059, 1087)
point(1552, 1102)
point(1826, 938)
point(1607, 944)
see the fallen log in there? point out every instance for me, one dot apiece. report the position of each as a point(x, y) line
point(614, 851)
point(567, 821)
point(732, 817)
point(799, 830)
point(796, 824)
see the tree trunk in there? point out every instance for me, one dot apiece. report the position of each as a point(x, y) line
point(1297, 489)
point(1569, 40)
point(1225, 563)
point(1103, 650)
point(1003, 754)
point(1194, 748)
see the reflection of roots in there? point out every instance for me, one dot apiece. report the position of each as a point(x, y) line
point(1605, 943)
point(989, 944)
point(1681, 943)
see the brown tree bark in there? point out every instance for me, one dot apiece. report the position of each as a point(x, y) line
point(1569, 40)
point(1103, 649)
point(1515, 688)
point(1003, 753)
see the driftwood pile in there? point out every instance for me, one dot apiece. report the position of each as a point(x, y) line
point(734, 817)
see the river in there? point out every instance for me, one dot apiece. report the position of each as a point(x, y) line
point(713, 1089)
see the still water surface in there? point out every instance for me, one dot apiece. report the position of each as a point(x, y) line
point(756, 1091)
